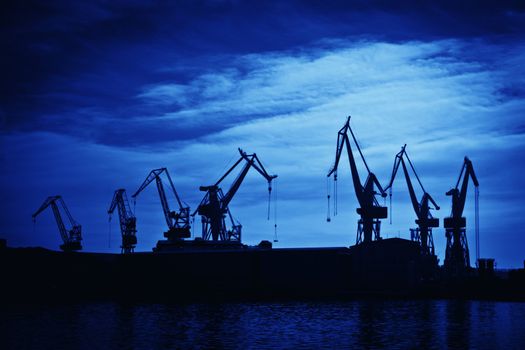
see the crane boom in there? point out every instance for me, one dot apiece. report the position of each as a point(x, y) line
point(370, 210)
point(178, 222)
point(214, 207)
point(412, 193)
point(252, 161)
point(460, 196)
point(71, 238)
point(235, 185)
point(399, 160)
point(127, 220)
point(155, 175)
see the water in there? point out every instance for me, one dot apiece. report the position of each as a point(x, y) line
point(368, 324)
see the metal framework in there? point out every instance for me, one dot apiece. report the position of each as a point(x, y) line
point(457, 258)
point(423, 233)
point(178, 221)
point(370, 211)
point(72, 237)
point(214, 206)
point(128, 221)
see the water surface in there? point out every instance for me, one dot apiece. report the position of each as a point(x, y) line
point(369, 324)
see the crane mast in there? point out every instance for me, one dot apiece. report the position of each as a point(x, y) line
point(425, 221)
point(128, 221)
point(178, 222)
point(457, 258)
point(369, 209)
point(71, 238)
point(214, 206)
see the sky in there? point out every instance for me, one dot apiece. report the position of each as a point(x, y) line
point(95, 94)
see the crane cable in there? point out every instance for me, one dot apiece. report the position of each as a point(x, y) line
point(275, 239)
point(269, 200)
point(328, 199)
point(335, 194)
point(192, 227)
point(390, 195)
point(476, 203)
point(109, 232)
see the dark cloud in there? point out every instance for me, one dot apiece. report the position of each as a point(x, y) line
point(62, 56)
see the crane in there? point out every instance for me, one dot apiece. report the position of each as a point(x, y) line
point(369, 209)
point(178, 221)
point(425, 221)
point(457, 257)
point(128, 221)
point(72, 237)
point(214, 206)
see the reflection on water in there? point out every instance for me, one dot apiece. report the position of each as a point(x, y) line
point(458, 324)
point(353, 324)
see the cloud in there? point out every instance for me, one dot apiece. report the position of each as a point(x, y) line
point(62, 56)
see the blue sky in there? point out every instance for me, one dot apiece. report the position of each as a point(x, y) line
point(96, 94)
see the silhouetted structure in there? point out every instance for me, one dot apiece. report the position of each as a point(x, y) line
point(388, 267)
point(178, 222)
point(72, 237)
point(486, 267)
point(214, 206)
point(425, 221)
point(457, 258)
point(370, 211)
point(128, 221)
